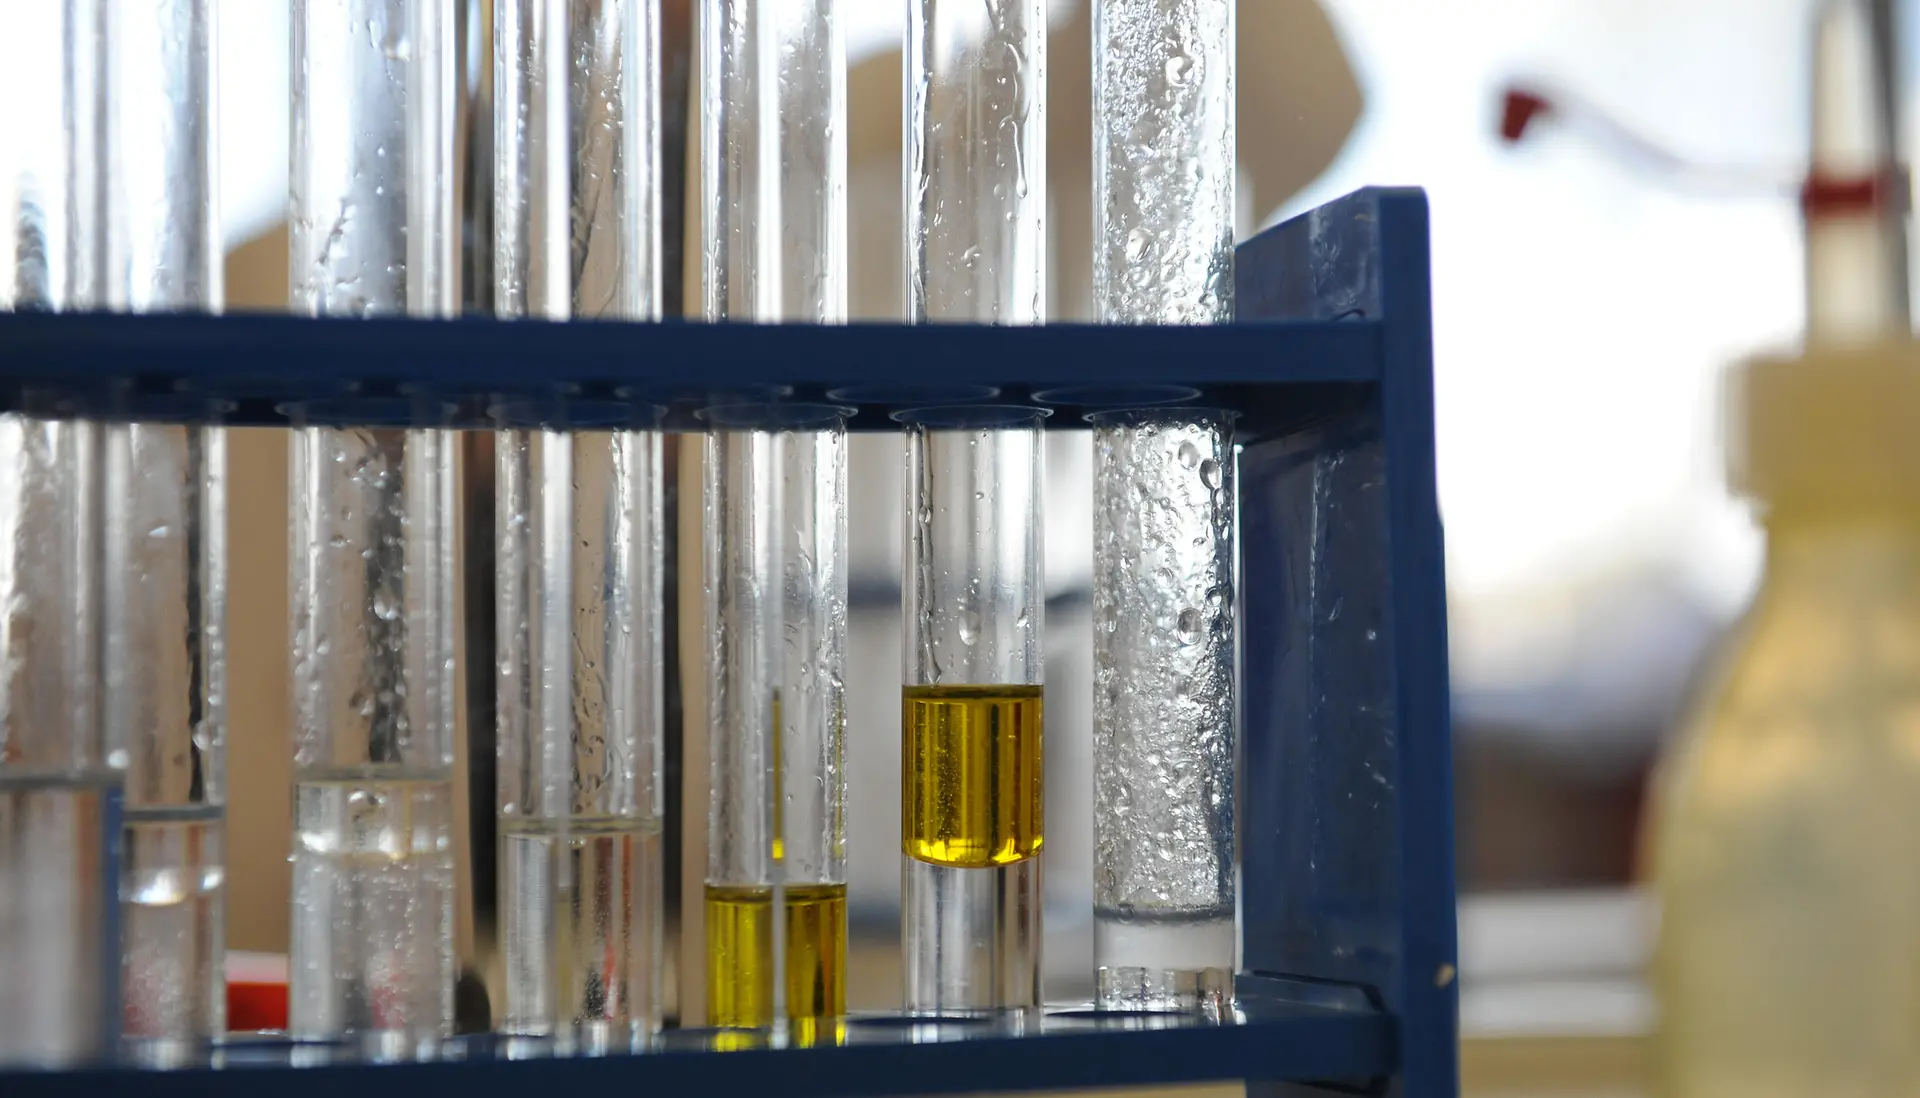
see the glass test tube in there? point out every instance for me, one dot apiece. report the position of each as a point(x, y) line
point(976, 172)
point(152, 228)
point(775, 193)
point(372, 514)
point(1164, 710)
point(972, 781)
point(577, 194)
point(1164, 693)
point(59, 801)
point(777, 606)
point(1164, 161)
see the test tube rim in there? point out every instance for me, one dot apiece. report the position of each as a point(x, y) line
point(1118, 396)
point(368, 412)
point(973, 417)
point(774, 416)
point(564, 414)
point(670, 393)
point(1161, 414)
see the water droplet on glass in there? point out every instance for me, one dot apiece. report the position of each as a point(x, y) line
point(1189, 454)
point(968, 626)
point(1179, 70)
point(1189, 625)
point(1210, 473)
point(1136, 245)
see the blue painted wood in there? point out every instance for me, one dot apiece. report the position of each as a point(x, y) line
point(1347, 843)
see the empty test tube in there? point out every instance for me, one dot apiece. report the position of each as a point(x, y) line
point(1164, 710)
point(372, 513)
point(148, 214)
point(59, 801)
point(1164, 690)
point(972, 781)
point(576, 198)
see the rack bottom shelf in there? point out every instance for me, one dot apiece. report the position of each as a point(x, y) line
point(882, 1056)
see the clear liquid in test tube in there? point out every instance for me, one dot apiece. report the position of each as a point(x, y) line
point(577, 194)
point(972, 811)
point(1165, 518)
point(372, 540)
point(59, 800)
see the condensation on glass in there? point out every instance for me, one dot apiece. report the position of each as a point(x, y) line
point(972, 779)
point(577, 194)
point(372, 512)
point(1164, 709)
point(59, 800)
point(1163, 160)
point(976, 138)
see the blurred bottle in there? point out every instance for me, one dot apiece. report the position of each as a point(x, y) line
point(1788, 815)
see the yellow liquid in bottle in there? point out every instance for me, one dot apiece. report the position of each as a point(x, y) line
point(740, 958)
point(971, 780)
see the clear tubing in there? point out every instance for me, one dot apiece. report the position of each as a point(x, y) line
point(1164, 709)
point(59, 801)
point(972, 781)
point(151, 226)
point(1163, 155)
point(774, 160)
point(577, 193)
point(976, 138)
point(372, 512)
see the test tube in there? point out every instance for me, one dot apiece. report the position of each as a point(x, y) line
point(976, 202)
point(972, 781)
point(1164, 161)
point(1164, 517)
point(976, 171)
point(59, 801)
point(774, 214)
point(576, 192)
point(1164, 712)
point(152, 228)
point(372, 513)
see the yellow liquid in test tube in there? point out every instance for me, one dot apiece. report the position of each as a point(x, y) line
point(740, 958)
point(971, 778)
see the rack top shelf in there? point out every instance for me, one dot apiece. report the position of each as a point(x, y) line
point(262, 362)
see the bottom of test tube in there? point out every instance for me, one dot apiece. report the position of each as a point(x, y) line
point(740, 927)
point(1181, 962)
point(582, 960)
point(173, 933)
point(373, 898)
point(58, 964)
point(970, 937)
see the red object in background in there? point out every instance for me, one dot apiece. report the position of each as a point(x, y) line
point(256, 991)
point(1518, 110)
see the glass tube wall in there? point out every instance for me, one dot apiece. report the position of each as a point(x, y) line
point(1164, 709)
point(372, 512)
point(577, 192)
point(774, 216)
point(976, 171)
point(59, 802)
point(1164, 689)
point(972, 782)
point(152, 228)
